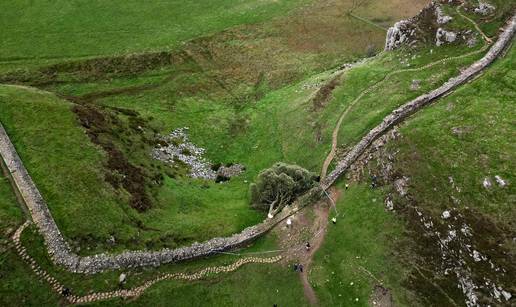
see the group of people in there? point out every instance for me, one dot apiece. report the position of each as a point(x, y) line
point(298, 267)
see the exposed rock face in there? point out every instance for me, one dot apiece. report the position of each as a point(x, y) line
point(442, 36)
point(410, 31)
point(442, 18)
point(411, 107)
point(484, 8)
point(399, 34)
point(421, 28)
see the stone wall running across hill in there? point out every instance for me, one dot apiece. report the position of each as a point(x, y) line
point(62, 255)
point(411, 107)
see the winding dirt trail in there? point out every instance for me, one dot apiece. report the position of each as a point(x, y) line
point(134, 292)
point(320, 226)
point(477, 27)
point(335, 133)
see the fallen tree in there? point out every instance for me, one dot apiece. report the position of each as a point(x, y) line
point(61, 254)
point(279, 185)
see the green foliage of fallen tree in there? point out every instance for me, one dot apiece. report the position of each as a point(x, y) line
point(279, 185)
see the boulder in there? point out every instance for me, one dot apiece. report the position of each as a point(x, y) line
point(484, 8)
point(442, 36)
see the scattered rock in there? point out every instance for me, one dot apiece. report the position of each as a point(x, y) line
point(231, 170)
point(476, 256)
point(381, 297)
point(416, 84)
point(506, 295)
point(484, 8)
point(442, 36)
point(401, 185)
point(486, 183)
point(389, 204)
point(500, 181)
point(450, 106)
point(446, 214)
point(460, 131)
point(472, 41)
point(441, 17)
point(111, 240)
point(177, 147)
point(180, 148)
point(122, 278)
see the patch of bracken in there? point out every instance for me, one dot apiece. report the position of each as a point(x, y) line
point(120, 172)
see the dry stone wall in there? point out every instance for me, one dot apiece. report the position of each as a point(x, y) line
point(62, 255)
point(411, 107)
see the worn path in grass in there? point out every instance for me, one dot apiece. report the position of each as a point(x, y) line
point(335, 133)
point(59, 288)
point(501, 43)
point(431, 64)
point(321, 223)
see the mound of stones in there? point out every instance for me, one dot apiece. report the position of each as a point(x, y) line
point(177, 148)
point(484, 8)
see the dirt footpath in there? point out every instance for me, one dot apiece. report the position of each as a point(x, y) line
point(308, 226)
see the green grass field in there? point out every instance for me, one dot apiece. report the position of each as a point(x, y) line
point(358, 252)
point(70, 29)
point(371, 246)
point(238, 107)
point(482, 112)
point(242, 76)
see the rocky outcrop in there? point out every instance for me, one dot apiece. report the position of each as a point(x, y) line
point(484, 8)
point(442, 18)
point(442, 36)
point(409, 32)
point(427, 26)
point(401, 33)
point(413, 106)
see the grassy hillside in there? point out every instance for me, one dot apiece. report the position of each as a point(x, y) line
point(256, 82)
point(244, 93)
point(18, 284)
point(68, 29)
point(465, 136)
point(269, 28)
point(62, 162)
